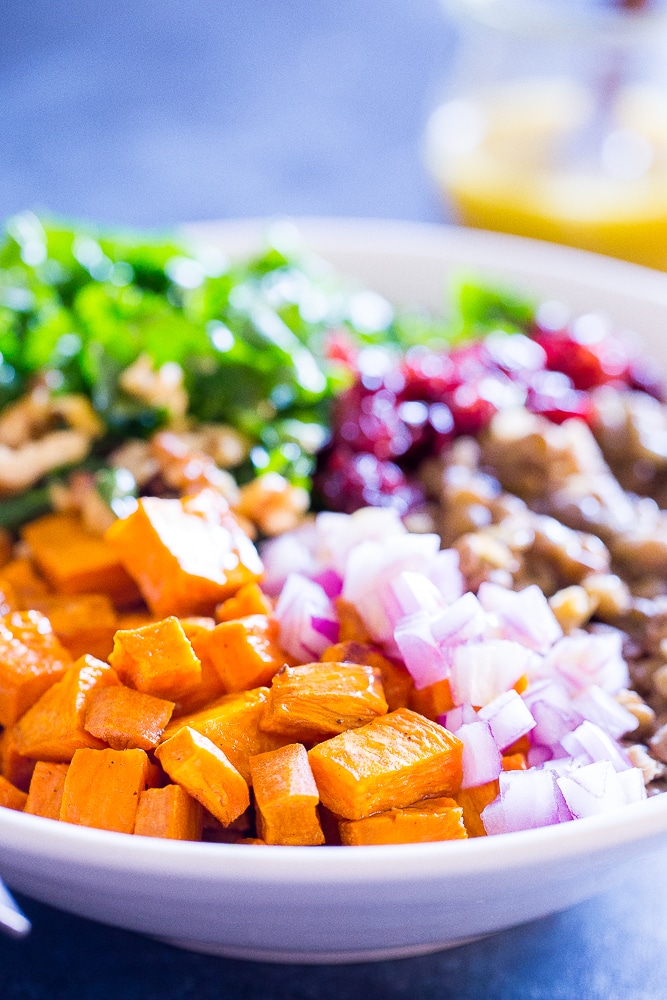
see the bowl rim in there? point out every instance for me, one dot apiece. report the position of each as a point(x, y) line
point(642, 821)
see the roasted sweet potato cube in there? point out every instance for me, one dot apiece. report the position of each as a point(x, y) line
point(232, 724)
point(45, 795)
point(473, 801)
point(84, 623)
point(53, 729)
point(74, 561)
point(20, 575)
point(8, 600)
point(127, 719)
point(157, 659)
point(13, 765)
point(11, 797)
point(193, 762)
point(286, 797)
point(102, 789)
point(168, 812)
point(352, 628)
point(389, 763)
point(210, 688)
point(424, 822)
point(432, 701)
point(186, 555)
point(31, 660)
point(397, 683)
point(246, 652)
point(317, 700)
point(248, 600)
point(251, 840)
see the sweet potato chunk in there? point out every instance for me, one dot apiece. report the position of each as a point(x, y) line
point(84, 623)
point(168, 812)
point(11, 797)
point(389, 763)
point(232, 724)
point(13, 765)
point(45, 795)
point(20, 575)
point(248, 600)
point(433, 700)
point(53, 729)
point(102, 789)
point(74, 561)
point(397, 683)
point(286, 797)
point(317, 700)
point(210, 688)
point(352, 628)
point(31, 659)
point(193, 762)
point(157, 659)
point(473, 801)
point(425, 821)
point(186, 555)
point(127, 719)
point(246, 652)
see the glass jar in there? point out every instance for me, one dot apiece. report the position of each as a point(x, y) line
point(555, 125)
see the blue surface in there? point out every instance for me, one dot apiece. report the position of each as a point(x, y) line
point(155, 111)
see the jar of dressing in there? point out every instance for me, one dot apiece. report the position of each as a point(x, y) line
point(555, 125)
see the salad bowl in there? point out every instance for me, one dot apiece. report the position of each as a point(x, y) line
point(295, 904)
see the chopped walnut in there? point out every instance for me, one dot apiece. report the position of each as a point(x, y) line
point(161, 387)
point(639, 757)
point(272, 503)
point(572, 607)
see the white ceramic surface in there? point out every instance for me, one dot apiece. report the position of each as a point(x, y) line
point(354, 904)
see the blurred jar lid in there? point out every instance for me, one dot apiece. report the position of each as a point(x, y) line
point(620, 22)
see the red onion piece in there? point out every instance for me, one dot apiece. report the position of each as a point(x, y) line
point(493, 818)
point(461, 621)
point(421, 654)
point(338, 534)
point(632, 783)
point(301, 600)
point(444, 572)
point(581, 660)
point(593, 742)
point(281, 556)
point(592, 789)
point(531, 799)
point(601, 708)
point(483, 670)
point(509, 718)
point(457, 717)
point(523, 615)
point(550, 706)
point(481, 757)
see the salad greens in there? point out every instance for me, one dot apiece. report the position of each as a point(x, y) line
point(78, 305)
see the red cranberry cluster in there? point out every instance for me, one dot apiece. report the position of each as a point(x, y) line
point(401, 411)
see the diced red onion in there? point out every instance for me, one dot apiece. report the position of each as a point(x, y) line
point(493, 818)
point(461, 621)
point(524, 616)
point(481, 756)
point(444, 572)
point(601, 708)
point(327, 628)
point(330, 582)
point(538, 755)
point(482, 670)
point(531, 799)
point(281, 556)
point(413, 592)
point(632, 783)
point(509, 718)
point(554, 716)
point(338, 534)
point(592, 741)
point(592, 789)
point(581, 660)
point(420, 652)
point(302, 602)
point(371, 567)
point(457, 717)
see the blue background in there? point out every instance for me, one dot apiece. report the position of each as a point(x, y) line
point(152, 112)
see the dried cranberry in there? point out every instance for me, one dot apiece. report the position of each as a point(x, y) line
point(587, 351)
point(552, 395)
point(349, 481)
point(428, 374)
point(475, 403)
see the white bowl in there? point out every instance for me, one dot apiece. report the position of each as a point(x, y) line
point(295, 904)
